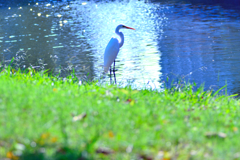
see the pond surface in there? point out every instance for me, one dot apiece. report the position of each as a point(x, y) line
point(173, 41)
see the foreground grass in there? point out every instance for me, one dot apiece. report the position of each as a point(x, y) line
point(43, 117)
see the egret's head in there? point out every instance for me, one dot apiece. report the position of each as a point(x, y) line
point(121, 26)
point(126, 27)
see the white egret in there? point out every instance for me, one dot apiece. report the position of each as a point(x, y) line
point(112, 49)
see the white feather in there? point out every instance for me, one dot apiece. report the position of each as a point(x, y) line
point(110, 53)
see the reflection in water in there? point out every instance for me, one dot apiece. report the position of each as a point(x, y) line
point(38, 31)
point(24, 36)
point(138, 59)
point(203, 44)
point(198, 42)
point(74, 35)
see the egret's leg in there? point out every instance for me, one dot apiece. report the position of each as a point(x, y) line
point(114, 72)
point(110, 75)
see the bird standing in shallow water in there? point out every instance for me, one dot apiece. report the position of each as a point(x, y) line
point(112, 50)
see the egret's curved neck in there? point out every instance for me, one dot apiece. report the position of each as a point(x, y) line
point(121, 36)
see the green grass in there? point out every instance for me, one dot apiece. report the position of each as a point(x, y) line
point(44, 117)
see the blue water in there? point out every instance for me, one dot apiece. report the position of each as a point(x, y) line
point(202, 44)
point(172, 41)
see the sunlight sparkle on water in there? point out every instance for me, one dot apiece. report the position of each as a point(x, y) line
point(137, 61)
point(80, 39)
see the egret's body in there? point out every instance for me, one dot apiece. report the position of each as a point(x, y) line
point(112, 49)
point(111, 53)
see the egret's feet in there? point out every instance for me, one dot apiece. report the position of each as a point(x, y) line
point(114, 70)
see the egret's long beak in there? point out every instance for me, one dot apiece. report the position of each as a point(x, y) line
point(129, 27)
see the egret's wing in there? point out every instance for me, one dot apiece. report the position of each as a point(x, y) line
point(110, 53)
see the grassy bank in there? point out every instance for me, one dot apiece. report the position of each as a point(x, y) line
point(43, 117)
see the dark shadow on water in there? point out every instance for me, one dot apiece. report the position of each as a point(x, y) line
point(197, 46)
point(235, 4)
point(6, 3)
point(37, 40)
